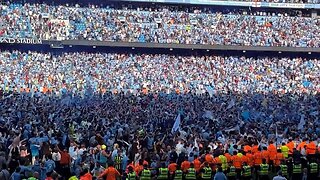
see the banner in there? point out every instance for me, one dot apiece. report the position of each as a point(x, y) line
point(20, 41)
point(286, 5)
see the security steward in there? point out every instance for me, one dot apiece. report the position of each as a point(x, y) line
point(163, 172)
point(206, 172)
point(246, 172)
point(313, 169)
point(191, 173)
point(131, 175)
point(145, 174)
point(231, 172)
point(264, 170)
point(284, 169)
point(296, 171)
point(178, 174)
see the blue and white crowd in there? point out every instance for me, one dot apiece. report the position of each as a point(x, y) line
point(80, 105)
point(101, 72)
point(159, 25)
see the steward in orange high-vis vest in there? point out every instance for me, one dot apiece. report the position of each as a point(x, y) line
point(265, 154)
point(257, 158)
point(311, 148)
point(279, 159)
point(237, 163)
point(290, 145)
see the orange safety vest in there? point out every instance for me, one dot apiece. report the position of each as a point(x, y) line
point(265, 155)
point(247, 148)
point(172, 168)
point(217, 160)
point(290, 145)
point(129, 165)
point(250, 159)
point(228, 156)
point(208, 158)
point(311, 148)
point(257, 158)
point(254, 149)
point(244, 159)
point(185, 165)
point(272, 151)
point(301, 145)
point(278, 159)
point(197, 165)
point(236, 160)
point(138, 169)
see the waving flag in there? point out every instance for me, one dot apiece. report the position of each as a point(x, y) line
point(176, 125)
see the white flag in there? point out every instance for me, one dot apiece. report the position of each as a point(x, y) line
point(196, 143)
point(176, 124)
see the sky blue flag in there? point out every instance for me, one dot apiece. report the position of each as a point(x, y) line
point(208, 115)
point(245, 115)
point(176, 125)
point(210, 90)
point(306, 83)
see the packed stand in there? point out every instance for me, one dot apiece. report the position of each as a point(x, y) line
point(84, 115)
point(101, 72)
point(31, 21)
point(158, 25)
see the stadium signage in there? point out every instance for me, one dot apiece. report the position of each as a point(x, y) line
point(237, 3)
point(286, 5)
point(20, 41)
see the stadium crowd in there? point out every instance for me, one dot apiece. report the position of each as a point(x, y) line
point(78, 72)
point(158, 25)
point(94, 115)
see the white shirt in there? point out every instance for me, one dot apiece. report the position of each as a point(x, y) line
point(81, 150)
point(73, 152)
